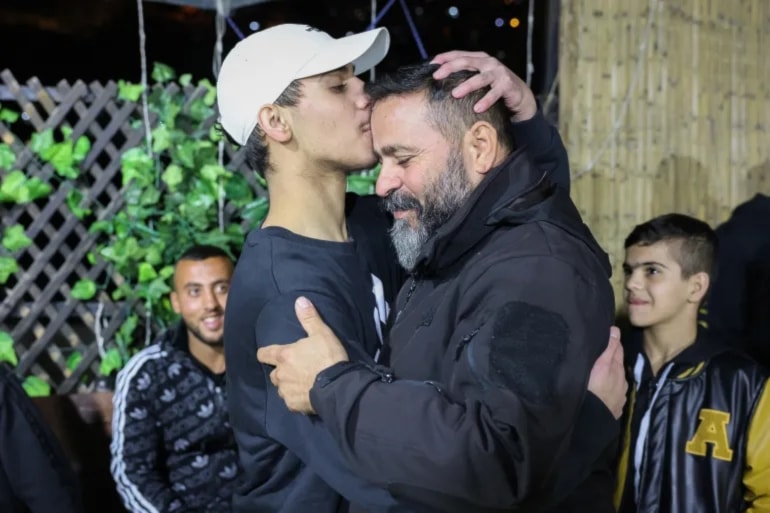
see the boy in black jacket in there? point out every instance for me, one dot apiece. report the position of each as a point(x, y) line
point(698, 420)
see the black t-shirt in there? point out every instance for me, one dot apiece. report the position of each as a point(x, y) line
point(283, 454)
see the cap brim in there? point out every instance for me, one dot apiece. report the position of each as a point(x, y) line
point(364, 51)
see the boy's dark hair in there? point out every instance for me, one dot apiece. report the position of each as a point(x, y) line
point(451, 116)
point(693, 242)
point(202, 252)
point(257, 155)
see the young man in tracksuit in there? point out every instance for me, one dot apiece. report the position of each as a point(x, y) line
point(173, 449)
point(492, 339)
point(697, 436)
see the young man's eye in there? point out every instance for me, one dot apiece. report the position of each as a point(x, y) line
point(194, 292)
point(402, 161)
point(340, 88)
point(653, 271)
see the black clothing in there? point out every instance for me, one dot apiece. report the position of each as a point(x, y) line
point(35, 476)
point(696, 435)
point(492, 340)
point(173, 449)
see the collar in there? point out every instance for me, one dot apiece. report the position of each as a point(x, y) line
point(705, 347)
point(513, 193)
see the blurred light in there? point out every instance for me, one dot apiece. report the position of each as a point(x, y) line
point(499, 22)
point(514, 22)
point(254, 26)
point(453, 11)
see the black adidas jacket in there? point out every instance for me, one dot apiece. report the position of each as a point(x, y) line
point(173, 449)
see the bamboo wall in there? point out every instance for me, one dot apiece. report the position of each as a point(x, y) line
point(665, 106)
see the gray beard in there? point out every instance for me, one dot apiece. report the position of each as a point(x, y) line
point(443, 198)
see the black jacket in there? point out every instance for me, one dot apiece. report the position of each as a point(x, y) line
point(492, 344)
point(743, 259)
point(173, 449)
point(35, 476)
point(705, 445)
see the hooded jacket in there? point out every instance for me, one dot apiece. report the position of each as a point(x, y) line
point(697, 434)
point(492, 342)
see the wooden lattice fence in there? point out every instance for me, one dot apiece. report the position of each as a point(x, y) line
point(37, 307)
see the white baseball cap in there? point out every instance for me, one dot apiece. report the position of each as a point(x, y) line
point(260, 67)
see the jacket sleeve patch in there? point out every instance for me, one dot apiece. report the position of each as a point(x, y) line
point(528, 343)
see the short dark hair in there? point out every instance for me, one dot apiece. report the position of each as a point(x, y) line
point(257, 154)
point(694, 240)
point(451, 116)
point(203, 252)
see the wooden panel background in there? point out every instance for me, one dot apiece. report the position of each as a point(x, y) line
point(665, 106)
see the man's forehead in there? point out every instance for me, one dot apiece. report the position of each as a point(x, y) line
point(202, 271)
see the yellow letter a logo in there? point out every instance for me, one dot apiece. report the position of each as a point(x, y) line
point(711, 430)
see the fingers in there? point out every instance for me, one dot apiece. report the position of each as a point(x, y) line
point(457, 60)
point(308, 317)
point(270, 355)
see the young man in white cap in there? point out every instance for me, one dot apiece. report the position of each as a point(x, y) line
point(290, 95)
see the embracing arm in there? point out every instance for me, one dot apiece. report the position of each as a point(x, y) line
point(306, 436)
point(491, 439)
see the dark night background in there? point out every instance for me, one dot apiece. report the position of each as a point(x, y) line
point(98, 39)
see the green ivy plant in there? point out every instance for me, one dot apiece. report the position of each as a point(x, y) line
point(174, 194)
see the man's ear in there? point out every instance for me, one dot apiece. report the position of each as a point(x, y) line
point(272, 121)
point(481, 145)
point(699, 285)
point(174, 297)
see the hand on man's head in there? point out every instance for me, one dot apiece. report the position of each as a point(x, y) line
point(503, 82)
point(297, 365)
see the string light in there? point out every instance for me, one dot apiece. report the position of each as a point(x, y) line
point(499, 22)
point(453, 11)
point(514, 23)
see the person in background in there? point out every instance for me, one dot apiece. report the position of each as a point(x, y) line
point(698, 419)
point(35, 476)
point(173, 449)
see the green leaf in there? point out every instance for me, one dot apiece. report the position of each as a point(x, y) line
point(91, 257)
point(35, 188)
point(146, 272)
point(238, 190)
point(60, 157)
point(101, 226)
point(128, 327)
point(128, 91)
point(8, 267)
point(7, 156)
point(162, 72)
point(11, 186)
point(122, 291)
point(8, 115)
point(74, 198)
point(172, 176)
point(137, 165)
point(184, 80)
point(216, 134)
point(73, 360)
point(81, 149)
point(185, 153)
point(84, 290)
point(36, 387)
point(167, 271)
point(211, 91)
point(255, 211)
point(7, 351)
point(199, 110)
point(41, 142)
point(15, 239)
point(112, 361)
point(212, 172)
point(161, 138)
point(66, 131)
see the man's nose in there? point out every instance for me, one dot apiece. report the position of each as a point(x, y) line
point(388, 181)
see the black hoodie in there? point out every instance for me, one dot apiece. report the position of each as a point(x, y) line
point(492, 344)
point(738, 302)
